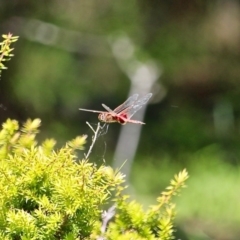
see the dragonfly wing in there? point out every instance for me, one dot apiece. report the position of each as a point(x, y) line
point(131, 111)
point(134, 121)
point(89, 110)
point(129, 102)
point(144, 99)
point(109, 109)
point(138, 105)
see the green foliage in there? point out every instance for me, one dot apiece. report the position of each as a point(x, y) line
point(5, 51)
point(46, 194)
point(50, 194)
point(131, 222)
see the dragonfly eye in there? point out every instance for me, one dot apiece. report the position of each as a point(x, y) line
point(101, 117)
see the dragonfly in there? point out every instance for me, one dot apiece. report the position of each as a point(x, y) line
point(123, 113)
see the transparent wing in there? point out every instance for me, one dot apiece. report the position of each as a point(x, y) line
point(89, 110)
point(128, 103)
point(109, 109)
point(131, 110)
point(128, 108)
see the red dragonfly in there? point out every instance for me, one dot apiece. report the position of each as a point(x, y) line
point(123, 113)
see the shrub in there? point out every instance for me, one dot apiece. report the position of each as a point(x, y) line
point(49, 194)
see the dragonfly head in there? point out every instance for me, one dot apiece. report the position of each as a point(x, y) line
point(101, 117)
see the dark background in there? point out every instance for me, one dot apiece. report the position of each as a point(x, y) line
point(64, 60)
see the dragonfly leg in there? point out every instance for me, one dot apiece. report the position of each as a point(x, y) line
point(104, 129)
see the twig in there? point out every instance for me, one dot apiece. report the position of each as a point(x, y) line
point(109, 214)
point(94, 138)
point(106, 217)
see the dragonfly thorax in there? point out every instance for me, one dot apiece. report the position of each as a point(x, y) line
point(106, 117)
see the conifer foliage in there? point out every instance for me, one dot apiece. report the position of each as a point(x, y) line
point(50, 194)
point(5, 50)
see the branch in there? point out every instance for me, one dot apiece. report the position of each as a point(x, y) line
point(94, 138)
point(106, 217)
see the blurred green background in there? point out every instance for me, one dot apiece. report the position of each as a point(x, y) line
point(65, 59)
